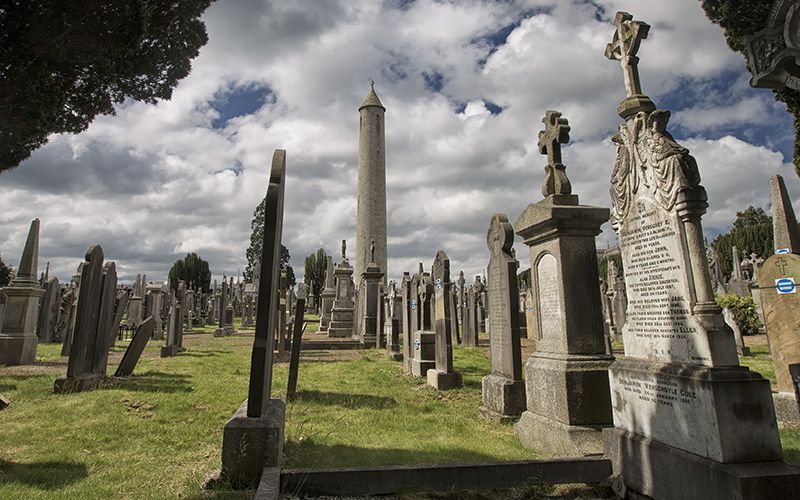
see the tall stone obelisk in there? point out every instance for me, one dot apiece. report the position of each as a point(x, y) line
point(371, 212)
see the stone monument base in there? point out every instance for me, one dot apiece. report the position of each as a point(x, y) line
point(85, 382)
point(229, 330)
point(249, 444)
point(396, 356)
point(654, 470)
point(219, 332)
point(169, 351)
point(340, 329)
point(367, 341)
point(18, 349)
point(556, 439)
point(443, 380)
point(503, 398)
point(420, 367)
point(786, 407)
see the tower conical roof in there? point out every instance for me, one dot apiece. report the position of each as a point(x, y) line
point(372, 99)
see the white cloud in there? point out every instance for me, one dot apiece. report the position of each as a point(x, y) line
point(157, 181)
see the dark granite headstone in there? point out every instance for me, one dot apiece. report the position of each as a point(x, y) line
point(135, 348)
point(297, 335)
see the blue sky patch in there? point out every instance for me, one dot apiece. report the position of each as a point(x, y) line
point(434, 81)
point(239, 101)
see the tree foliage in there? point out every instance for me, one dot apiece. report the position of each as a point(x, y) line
point(193, 270)
point(315, 267)
point(253, 252)
point(6, 273)
point(62, 63)
point(751, 232)
point(740, 18)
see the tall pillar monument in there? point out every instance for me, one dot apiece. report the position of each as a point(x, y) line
point(371, 211)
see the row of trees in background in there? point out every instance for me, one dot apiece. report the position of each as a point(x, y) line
point(751, 232)
point(315, 267)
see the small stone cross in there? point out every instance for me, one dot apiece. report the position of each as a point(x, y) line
point(344, 250)
point(555, 133)
point(624, 46)
point(782, 264)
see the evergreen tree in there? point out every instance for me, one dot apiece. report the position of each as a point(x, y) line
point(253, 253)
point(751, 232)
point(740, 18)
point(315, 267)
point(192, 270)
point(6, 273)
point(62, 63)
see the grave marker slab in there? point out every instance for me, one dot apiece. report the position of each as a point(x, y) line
point(443, 376)
point(136, 347)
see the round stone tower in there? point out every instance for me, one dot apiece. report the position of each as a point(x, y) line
point(371, 212)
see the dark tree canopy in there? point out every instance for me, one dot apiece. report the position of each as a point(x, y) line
point(193, 270)
point(751, 232)
point(62, 63)
point(253, 253)
point(315, 267)
point(6, 273)
point(740, 18)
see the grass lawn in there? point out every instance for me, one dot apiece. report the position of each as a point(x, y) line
point(158, 433)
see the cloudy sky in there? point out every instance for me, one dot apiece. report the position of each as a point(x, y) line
point(465, 85)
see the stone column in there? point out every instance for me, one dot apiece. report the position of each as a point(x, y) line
point(566, 378)
point(503, 390)
point(369, 302)
point(18, 340)
point(342, 311)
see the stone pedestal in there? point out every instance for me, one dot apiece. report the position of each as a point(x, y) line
point(343, 309)
point(566, 378)
point(249, 444)
point(18, 340)
point(424, 353)
point(503, 398)
point(369, 300)
point(442, 380)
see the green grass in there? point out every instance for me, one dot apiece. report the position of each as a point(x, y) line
point(760, 361)
point(158, 433)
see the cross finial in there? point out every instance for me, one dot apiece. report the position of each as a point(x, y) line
point(555, 133)
point(344, 250)
point(372, 84)
point(624, 46)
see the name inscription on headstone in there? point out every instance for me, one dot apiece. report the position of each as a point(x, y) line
point(549, 297)
point(659, 322)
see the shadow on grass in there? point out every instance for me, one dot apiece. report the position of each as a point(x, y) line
point(347, 400)
point(43, 475)
point(155, 381)
point(8, 387)
point(307, 454)
point(203, 354)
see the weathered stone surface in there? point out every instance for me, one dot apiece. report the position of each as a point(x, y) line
point(784, 222)
point(502, 397)
point(424, 353)
point(156, 298)
point(223, 301)
point(369, 303)
point(297, 338)
point(328, 295)
point(136, 347)
point(371, 186)
point(566, 378)
point(683, 408)
point(343, 309)
point(249, 444)
point(49, 303)
point(443, 377)
point(782, 314)
point(18, 340)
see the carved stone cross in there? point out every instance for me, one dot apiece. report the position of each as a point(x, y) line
point(623, 48)
point(782, 264)
point(555, 133)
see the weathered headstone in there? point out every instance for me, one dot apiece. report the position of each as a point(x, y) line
point(88, 353)
point(470, 332)
point(136, 347)
point(154, 310)
point(566, 378)
point(343, 309)
point(406, 312)
point(730, 320)
point(136, 304)
point(369, 302)
point(253, 437)
point(297, 338)
point(461, 298)
point(49, 304)
point(70, 323)
point(328, 295)
point(503, 390)
point(392, 325)
point(424, 347)
point(119, 311)
point(689, 421)
point(443, 376)
point(223, 301)
point(18, 340)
